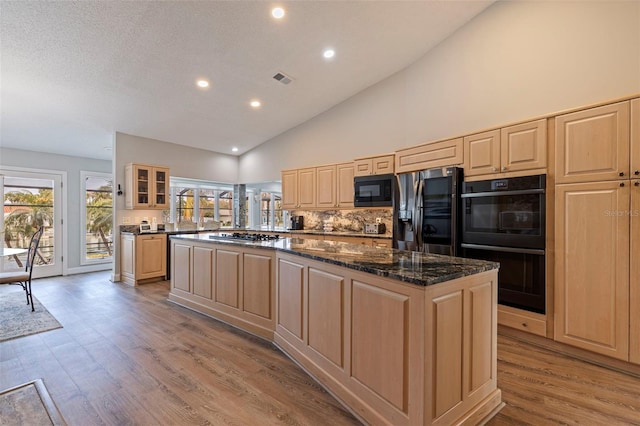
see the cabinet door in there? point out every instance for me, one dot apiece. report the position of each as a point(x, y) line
point(326, 187)
point(151, 256)
point(437, 154)
point(344, 190)
point(524, 146)
point(635, 138)
point(383, 165)
point(307, 188)
point(593, 145)
point(634, 284)
point(142, 185)
point(289, 189)
point(592, 267)
point(160, 188)
point(482, 153)
point(363, 167)
point(181, 263)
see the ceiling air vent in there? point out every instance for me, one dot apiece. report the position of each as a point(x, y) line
point(284, 79)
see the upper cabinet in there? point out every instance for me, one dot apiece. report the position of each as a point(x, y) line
point(325, 187)
point(380, 165)
point(344, 188)
point(430, 155)
point(299, 188)
point(593, 145)
point(146, 186)
point(522, 147)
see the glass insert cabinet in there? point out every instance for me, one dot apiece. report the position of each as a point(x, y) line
point(146, 186)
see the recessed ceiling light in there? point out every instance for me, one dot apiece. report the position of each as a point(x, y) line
point(234, 149)
point(202, 83)
point(329, 53)
point(255, 103)
point(277, 12)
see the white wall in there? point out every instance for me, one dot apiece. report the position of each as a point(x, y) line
point(183, 161)
point(514, 61)
point(72, 193)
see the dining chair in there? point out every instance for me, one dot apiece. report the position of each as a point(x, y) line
point(20, 278)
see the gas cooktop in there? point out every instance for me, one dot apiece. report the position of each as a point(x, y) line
point(245, 237)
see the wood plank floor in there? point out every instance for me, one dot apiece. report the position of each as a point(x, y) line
point(127, 356)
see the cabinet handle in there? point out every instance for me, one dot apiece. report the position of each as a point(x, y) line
point(621, 184)
point(504, 169)
point(524, 324)
point(636, 183)
point(494, 169)
point(637, 172)
point(621, 174)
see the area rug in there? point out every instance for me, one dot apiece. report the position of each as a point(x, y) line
point(29, 404)
point(17, 319)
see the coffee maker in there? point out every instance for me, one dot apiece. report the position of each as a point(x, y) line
point(297, 222)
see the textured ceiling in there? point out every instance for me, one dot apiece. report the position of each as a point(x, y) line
point(74, 73)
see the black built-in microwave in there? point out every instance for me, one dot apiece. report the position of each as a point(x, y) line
point(374, 190)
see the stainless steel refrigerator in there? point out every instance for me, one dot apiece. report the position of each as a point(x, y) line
point(426, 211)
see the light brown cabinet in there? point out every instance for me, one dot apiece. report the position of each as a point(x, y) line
point(344, 188)
point(430, 155)
point(143, 258)
point(593, 145)
point(518, 148)
point(592, 266)
point(233, 284)
point(146, 186)
point(379, 165)
point(597, 273)
point(289, 189)
point(324, 187)
point(363, 337)
point(299, 188)
point(326, 196)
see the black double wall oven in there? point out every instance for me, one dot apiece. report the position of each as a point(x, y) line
point(503, 220)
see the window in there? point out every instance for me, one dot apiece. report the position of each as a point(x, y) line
point(271, 209)
point(200, 202)
point(98, 217)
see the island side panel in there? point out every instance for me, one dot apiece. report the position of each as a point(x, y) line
point(461, 350)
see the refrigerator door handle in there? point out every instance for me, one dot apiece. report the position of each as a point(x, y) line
point(418, 214)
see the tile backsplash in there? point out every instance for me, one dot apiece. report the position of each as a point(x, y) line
point(345, 220)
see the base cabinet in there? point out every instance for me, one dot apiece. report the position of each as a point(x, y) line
point(235, 285)
point(394, 353)
point(143, 258)
point(592, 267)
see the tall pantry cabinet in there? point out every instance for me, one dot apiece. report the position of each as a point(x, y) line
point(597, 230)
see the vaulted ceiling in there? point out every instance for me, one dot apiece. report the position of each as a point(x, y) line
point(74, 73)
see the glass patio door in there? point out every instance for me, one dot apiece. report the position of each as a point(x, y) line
point(31, 200)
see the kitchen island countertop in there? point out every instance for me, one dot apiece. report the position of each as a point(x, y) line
point(422, 269)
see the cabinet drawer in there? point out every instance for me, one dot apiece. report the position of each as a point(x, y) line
point(522, 320)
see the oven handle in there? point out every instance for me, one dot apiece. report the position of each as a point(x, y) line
point(498, 193)
point(539, 252)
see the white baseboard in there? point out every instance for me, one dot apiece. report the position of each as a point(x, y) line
point(89, 268)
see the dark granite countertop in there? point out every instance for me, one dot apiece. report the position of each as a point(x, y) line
point(135, 230)
point(416, 268)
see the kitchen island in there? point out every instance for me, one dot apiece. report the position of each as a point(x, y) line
point(398, 337)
